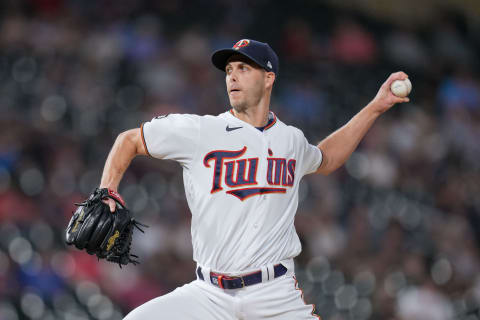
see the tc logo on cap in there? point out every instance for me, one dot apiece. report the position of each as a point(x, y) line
point(241, 43)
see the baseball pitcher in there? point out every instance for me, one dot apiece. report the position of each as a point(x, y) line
point(241, 171)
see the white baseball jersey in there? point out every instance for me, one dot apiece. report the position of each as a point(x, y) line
point(241, 185)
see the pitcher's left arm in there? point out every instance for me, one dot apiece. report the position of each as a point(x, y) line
point(337, 147)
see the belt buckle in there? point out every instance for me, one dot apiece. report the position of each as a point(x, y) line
point(243, 282)
point(221, 277)
point(239, 277)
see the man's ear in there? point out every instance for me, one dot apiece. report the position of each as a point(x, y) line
point(269, 79)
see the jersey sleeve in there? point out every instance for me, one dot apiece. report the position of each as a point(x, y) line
point(310, 155)
point(173, 137)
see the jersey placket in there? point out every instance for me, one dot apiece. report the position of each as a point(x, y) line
point(262, 180)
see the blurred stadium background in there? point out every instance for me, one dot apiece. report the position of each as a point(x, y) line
point(395, 234)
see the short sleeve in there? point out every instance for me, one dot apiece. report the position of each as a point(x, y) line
point(173, 137)
point(311, 156)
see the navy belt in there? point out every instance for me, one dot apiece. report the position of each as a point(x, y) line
point(228, 282)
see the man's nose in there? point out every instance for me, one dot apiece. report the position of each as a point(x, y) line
point(231, 82)
point(233, 76)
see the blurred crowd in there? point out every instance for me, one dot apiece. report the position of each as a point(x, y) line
point(394, 234)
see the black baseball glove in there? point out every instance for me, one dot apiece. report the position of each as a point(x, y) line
point(108, 235)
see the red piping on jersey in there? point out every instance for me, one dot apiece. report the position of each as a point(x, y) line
point(143, 140)
point(301, 295)
point(267, 127)
point(273, 122)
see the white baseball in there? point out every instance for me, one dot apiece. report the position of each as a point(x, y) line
point(401, 88)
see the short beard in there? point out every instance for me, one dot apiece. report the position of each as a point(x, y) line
point(240, 107)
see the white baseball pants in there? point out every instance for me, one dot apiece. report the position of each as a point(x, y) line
point(277, 299)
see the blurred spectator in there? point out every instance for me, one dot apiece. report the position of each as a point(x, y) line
point(352, 44)
point(404, 48)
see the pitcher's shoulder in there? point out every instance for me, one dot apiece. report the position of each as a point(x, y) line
point(289, 129)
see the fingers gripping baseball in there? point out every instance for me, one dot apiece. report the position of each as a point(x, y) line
point(385, 99)
point(386, 88)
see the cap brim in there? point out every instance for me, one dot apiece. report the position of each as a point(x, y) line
point(220, 58)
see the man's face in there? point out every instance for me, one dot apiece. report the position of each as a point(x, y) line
point(245, 82)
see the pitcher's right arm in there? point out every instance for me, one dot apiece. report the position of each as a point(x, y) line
point(127, 146)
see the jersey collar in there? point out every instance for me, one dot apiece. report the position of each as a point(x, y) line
point(272, 119)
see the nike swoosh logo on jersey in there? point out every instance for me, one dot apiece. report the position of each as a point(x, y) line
point(232, 128)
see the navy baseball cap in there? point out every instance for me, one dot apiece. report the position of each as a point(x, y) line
point(259, 52)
